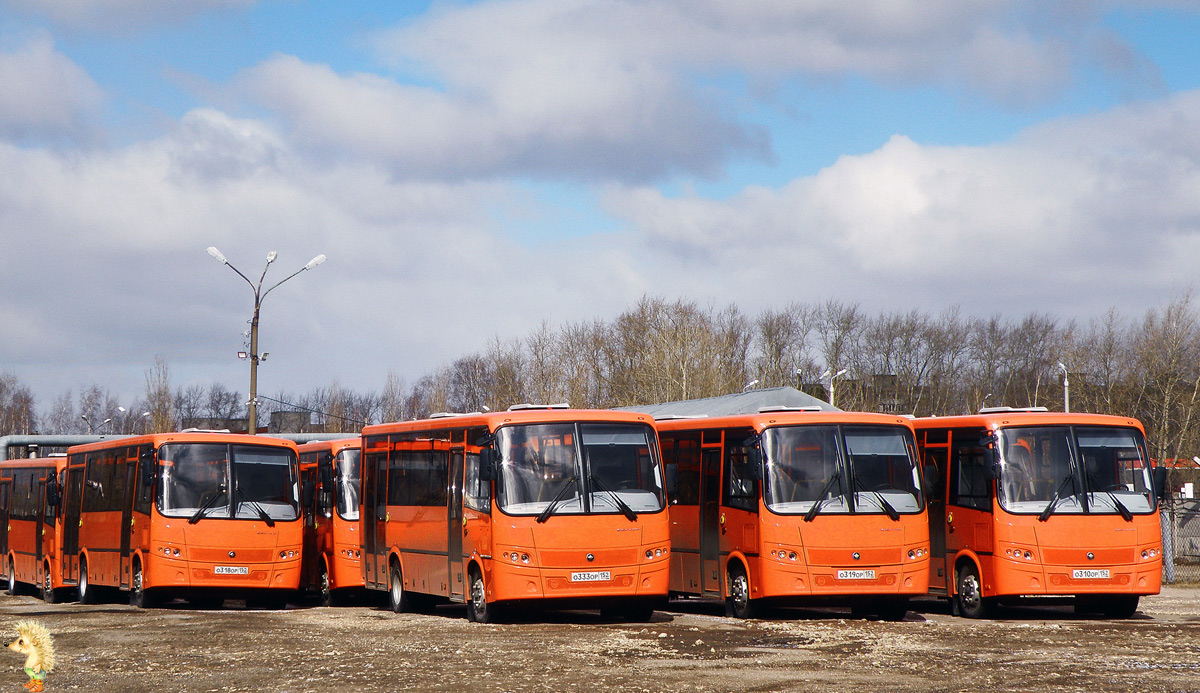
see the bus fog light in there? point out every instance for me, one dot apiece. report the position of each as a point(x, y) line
point(658, 553)
point(524, 558)
point(650, 555)
point(1028, 556)
point(792, 556)
point(177, 553)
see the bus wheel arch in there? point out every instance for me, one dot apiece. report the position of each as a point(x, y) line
point(738, 602)
point(49, 594)
point(478, 608)
point(137, 586)
point(398, 598)
point(968, 599)
point(87, 592)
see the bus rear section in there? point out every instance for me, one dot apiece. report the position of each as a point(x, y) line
point(332, 543)
point(28, 525)
point(1041, 507)
point(198, 515)
point(507, 511)
point(797, 508)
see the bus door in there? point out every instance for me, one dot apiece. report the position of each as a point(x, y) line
point(45, 518)
point(5, 501)
point(127, 529)
point(311, 470)
point(710, 517)
point(72, 500)
point(374, 518)
point(969, 495)
point(456, 524)
point(934, 453)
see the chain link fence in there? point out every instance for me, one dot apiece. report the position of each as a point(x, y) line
point(1181, 540)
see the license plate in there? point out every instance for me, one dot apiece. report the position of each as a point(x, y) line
point(1089, 574)
point(856, 575)
point(231, 570)
point(592, 576)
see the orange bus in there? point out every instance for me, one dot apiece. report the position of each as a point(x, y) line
point(28, 523)
point(1036, 504)
point(791, 506)
point(198, 514)
point(534, 505)
point(332, 544)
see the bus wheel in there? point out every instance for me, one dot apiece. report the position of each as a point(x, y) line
point(398, 598)
point(13, 587)
point(969, 596)
point(738, 604)
point(1119, 605)
point(87, 593)
point(137, 589)
point(328, 596)
point(48, 594)
point(478, 610)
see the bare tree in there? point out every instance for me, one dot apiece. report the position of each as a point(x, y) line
point(159, 401)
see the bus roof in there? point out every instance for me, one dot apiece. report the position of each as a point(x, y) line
point(494, 420)
point(766, 419)
point(32, 462)
point(334, 446)
point(999, 418)
point(156, 439)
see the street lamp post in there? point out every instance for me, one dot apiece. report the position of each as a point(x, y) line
point(1066, 388)
point(832, 376)
point(259, 295)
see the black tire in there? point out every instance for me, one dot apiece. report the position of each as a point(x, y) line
point(49, 594)
point(478, 610)
point(1119, 605)
point(739, 604)
point(138, 596)
point(398, 597)
point(969, 593)
point(14, 587)
point(87, 592)
point(329, 596)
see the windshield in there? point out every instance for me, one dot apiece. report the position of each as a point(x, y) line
point(578, 468)
point(1074, 470)
point(821, 464)
point(346, 471)
point(197, 479)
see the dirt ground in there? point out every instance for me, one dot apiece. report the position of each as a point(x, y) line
point(691, 647)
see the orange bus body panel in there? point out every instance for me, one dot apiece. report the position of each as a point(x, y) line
point(218, 555)
point(787, 559)
point(1019, 555)
point(332, 541)
point(576, 558)
point(29, 533)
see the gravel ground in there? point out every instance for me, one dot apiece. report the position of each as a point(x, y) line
point(691, 647)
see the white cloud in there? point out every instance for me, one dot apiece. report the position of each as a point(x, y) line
point(44, 93)
point(120, 16)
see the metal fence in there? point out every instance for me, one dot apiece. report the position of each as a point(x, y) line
point(1181, 540)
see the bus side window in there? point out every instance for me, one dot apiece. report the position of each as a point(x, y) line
point(740, 474)
point(477, 490)
point(970, 484)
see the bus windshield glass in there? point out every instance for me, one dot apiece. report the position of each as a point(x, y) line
point(824, 465)
point(210, 480)
point(347, 471)
point(574, 468)
point(1068, 470)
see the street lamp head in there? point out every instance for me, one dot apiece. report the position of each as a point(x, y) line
point(824, 375)
point(217, 255)
point(315, 261)
point(840, 373)
point(271, 256)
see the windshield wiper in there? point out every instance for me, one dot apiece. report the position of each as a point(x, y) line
point(206, 504)
point(1117, 504)
point(883, 503)
point(262, 514)
point(628, 511)
point(545, 514)
point(1070, 479)
point(816, 507)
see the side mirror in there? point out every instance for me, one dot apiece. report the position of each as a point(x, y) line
point(487, 464)
point(325, 499)
point(306, 494)
point(672, 480)
point(53, 497)
point(929, 479)
point(146, 467)
point(1159, 479)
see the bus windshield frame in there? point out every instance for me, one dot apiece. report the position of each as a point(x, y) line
point(819, 464)
point(1074, 469)
point(195, 481)
point(578, 468)
point(346, 470)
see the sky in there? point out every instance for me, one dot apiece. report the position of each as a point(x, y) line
point(475, 169)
